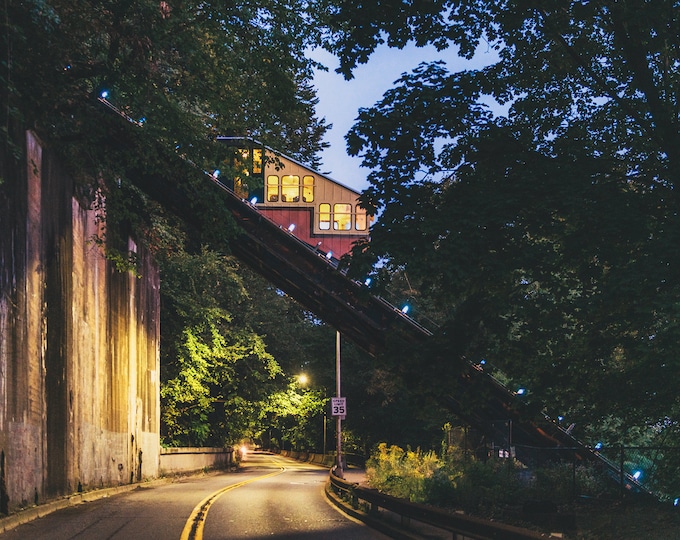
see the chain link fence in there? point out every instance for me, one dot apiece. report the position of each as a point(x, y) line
point(616, 471)
point(584, 472)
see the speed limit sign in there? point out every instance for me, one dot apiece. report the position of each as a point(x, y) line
point(338, 406)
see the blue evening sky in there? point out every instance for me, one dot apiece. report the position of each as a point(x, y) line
point(340, 100)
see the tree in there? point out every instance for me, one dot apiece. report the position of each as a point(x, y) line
point(292, 418)
point(216, 371)
point(545, 231)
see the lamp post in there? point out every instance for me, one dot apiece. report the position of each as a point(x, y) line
point(338, 471)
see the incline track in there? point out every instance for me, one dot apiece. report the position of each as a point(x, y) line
point(369, 321)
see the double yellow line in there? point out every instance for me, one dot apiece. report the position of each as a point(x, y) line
point(193, 529)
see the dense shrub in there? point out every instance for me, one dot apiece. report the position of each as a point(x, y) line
point(460, 481)
point(407, 473)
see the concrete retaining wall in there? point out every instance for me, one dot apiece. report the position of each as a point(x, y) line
point(79, 342)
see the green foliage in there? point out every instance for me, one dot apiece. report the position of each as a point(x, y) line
point(122, 262)
point(457, 480)
point(406, 474)
point(665, 471)
point(216, 370)
point(230, 343)
point(211, 390)
point(293, 416)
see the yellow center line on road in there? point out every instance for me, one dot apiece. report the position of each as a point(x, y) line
point(193, 529)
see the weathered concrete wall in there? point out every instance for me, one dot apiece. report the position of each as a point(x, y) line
point(79, 349)
point(178, 460)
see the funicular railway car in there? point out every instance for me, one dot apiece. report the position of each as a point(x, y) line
point(317, 209)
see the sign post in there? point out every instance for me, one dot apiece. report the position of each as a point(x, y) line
point(340, 402)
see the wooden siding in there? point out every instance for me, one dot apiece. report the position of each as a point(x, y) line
point(305, 214)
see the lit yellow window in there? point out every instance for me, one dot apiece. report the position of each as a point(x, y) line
point(308, 188)
point(360, 223)
point(272, 188)
point(342, 217)
point(257, 160)
point(290, 188)
point(324, 216)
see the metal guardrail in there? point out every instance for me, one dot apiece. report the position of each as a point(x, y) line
point(463, 526)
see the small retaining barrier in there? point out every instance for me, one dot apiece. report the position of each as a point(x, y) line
point(326, 460)
point(177, 460)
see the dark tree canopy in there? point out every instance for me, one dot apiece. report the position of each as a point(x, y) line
point(186, 71)
point(544, 232)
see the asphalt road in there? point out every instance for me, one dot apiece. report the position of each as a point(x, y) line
point(269, 497)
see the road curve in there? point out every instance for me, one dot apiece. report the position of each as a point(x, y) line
point(269, 497)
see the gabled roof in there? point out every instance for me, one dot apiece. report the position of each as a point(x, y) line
point(249, 141)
